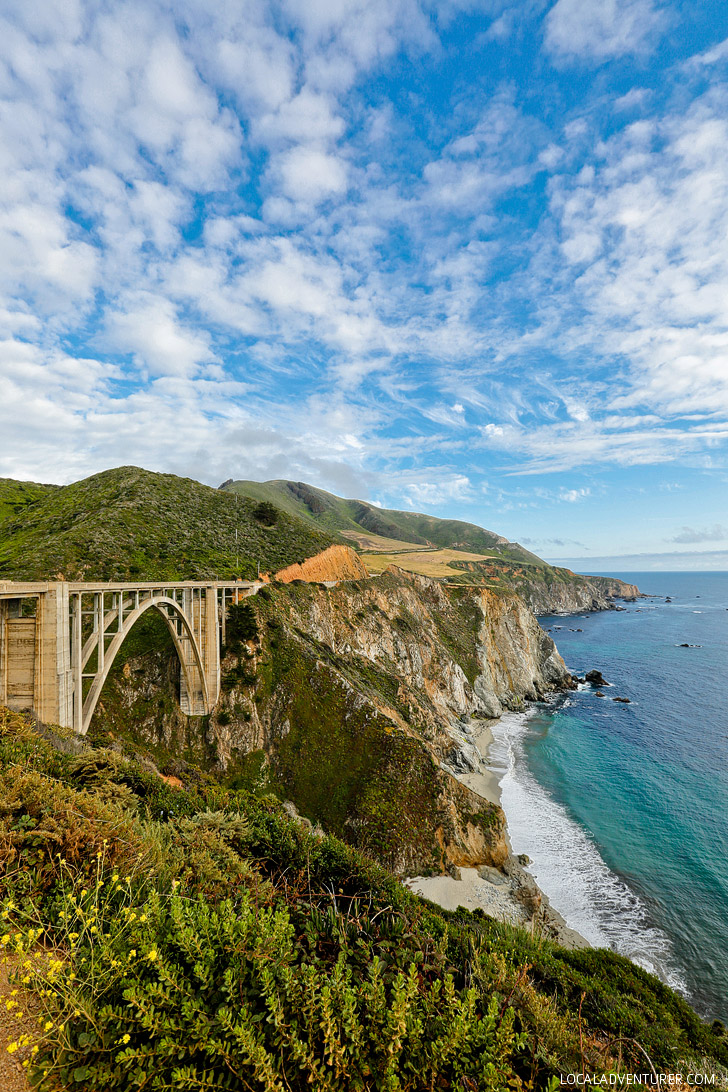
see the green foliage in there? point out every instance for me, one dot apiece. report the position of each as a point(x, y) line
point(132, 524)
point(241, 624)
point(335, 514)
point(226, 947)
point(224, 996)
point(266, 513)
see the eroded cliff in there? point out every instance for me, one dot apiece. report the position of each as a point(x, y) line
point(574, 592)
point(353, 702)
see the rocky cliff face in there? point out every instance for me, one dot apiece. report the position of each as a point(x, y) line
point(354, 702)
point(576, 593)
point(334, 563)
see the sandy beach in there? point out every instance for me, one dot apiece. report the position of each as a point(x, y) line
point(510, 895)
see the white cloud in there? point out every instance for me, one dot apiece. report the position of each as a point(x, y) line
point(310, 175)
point(456, 488)
point(601, 28)
point(148, 328)
point(716, 533)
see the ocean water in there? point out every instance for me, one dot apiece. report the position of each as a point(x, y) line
point(623, 809)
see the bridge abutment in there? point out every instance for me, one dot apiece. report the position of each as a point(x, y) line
point(55, 654)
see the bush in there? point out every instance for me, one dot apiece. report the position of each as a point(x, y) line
point(241, 623)
point(266, 513)
point(172, 994)
point(224, 946)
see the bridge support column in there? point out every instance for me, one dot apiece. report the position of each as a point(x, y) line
point(53, 689)
point(211, 645)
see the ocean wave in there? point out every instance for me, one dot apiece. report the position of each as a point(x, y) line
point(567, 864)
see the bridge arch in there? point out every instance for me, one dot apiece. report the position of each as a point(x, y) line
point(185, 643)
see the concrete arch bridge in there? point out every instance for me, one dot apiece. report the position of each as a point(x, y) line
point(58, 640)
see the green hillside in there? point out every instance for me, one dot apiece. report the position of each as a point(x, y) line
point(204, 939)
point(337, 515)
point(132, 524)
point(16, 496)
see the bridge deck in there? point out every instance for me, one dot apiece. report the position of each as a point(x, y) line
point(17, 589)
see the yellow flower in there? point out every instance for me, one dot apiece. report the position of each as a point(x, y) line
point(143, 917)
point(5, 939)
point(152, 954)
point(48, 1025)
point(12, 1047)
point(125, 1038)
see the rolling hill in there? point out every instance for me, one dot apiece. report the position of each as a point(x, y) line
point(458, 552)
point(131, 524)
point(363, 523)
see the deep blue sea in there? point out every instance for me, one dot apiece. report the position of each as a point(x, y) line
point(623, 809)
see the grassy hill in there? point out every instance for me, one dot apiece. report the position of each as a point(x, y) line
point(15, 497)
point(359, 520)
point(129, 523)
point(458, 552)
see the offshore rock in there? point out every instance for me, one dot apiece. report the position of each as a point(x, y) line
point(595, 678)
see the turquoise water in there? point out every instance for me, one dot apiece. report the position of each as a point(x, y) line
point(624, 808)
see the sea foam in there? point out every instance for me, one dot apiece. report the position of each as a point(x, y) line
point(567, 865)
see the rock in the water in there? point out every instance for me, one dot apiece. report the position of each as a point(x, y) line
point(523, 859)
point(595, 678)
point(600, 693)
point(625, 701)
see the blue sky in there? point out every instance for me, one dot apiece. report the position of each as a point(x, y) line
point(461, 257)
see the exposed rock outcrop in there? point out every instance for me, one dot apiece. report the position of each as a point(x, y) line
point(334, 563)
point(575, 593)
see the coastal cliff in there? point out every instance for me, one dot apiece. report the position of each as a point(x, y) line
point(356, 702)
point(578, 593)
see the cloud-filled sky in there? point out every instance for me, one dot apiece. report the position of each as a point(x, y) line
point(467, 256)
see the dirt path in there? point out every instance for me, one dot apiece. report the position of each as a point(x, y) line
point(12, 1073)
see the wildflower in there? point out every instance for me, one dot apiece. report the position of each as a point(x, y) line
point(143, 917)
point(132, 953)
point(125, 1038)
point(115, 877)
point(152, 954)
point(12, 1047)
point(48, 1025)
point(5, 939)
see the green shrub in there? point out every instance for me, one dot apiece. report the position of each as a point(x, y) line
point(173, 993)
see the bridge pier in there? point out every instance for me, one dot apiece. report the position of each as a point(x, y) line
point(54, 660)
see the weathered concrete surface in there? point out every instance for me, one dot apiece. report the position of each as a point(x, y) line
point(55, 658)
